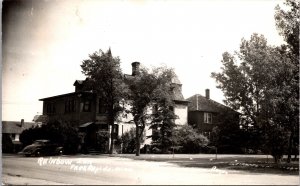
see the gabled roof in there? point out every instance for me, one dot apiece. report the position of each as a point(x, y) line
point(14, 127)
point(80, 82)
point(205, 104)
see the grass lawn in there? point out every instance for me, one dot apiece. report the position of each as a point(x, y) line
point(249, 163)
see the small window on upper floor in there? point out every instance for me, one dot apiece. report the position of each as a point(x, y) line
point(207, 117)
point(50, 108)
point(70, 106)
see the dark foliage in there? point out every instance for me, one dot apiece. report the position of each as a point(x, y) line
point(276, 142)
point(187, 140)
point(227, 136)
point(163, 126)
point(7, 145)
point(102, 141)
point(128, 141)
point(56, 132)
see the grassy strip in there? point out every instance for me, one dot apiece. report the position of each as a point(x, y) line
point(236, 162)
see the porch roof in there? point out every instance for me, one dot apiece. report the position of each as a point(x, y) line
point(86, 124)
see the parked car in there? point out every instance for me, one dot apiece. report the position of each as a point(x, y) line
point(42, 148)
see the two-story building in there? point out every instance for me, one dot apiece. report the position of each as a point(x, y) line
point(82, 109)
point(205, 114)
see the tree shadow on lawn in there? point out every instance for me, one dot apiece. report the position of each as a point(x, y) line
point(247, 164)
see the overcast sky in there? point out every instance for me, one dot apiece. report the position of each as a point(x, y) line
point(44, 42)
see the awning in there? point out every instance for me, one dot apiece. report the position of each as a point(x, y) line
point(86, 124)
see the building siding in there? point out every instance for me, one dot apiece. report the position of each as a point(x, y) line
point(77, 116)
point(181, 111)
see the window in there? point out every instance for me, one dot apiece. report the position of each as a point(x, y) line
point(87, 106)
point(17, 137)
point(50, 108)
point(70, 106)
point(102, 107)
point(73, 105)
point(207, 118)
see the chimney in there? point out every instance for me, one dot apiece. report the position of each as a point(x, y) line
point(22, 122)
point(135, 68)
point(207, 93)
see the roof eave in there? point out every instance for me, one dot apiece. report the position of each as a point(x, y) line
point(68, 94)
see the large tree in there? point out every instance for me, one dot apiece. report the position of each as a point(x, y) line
point(261, 82)
point(163, 125)
point(243, 81)
point(227, 137)
point(146, 89)
point(287, 22)
point(106, 79)
point(163, 116)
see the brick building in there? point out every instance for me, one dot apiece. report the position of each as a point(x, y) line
point(205, 113)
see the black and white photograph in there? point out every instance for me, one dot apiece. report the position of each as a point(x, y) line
point(150, 92)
